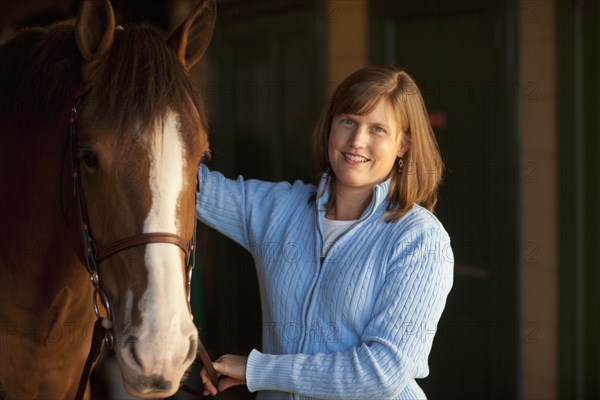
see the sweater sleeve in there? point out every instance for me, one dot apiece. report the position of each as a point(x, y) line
point(395, 343)
point(240, 209)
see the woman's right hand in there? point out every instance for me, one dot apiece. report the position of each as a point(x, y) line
point(233, 370)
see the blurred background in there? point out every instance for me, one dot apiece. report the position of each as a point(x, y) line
point(513, 92)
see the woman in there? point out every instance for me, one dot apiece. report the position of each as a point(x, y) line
point(353, 274)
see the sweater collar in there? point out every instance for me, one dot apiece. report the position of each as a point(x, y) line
point(380, 192)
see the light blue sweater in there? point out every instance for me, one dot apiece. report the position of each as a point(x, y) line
point(356, 323)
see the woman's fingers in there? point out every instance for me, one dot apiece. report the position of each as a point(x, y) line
point(208, 386)
point(226, 383)
point(232, 366)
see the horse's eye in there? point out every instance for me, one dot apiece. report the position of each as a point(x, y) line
point(89, 158)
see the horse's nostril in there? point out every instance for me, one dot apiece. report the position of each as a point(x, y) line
point(191, 355)
point(130, 346)
point(153, 383)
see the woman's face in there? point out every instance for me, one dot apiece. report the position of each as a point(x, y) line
point(363, 148)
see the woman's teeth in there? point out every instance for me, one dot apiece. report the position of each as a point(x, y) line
point(355, 158)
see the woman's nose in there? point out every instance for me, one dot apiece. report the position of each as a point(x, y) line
point(358, 138)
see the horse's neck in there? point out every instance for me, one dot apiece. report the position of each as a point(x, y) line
point(43, 357)
point(45, 295)
point(36, 259)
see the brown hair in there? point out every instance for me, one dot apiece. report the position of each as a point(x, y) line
point(358, 94)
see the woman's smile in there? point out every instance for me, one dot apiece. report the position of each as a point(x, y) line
point(354, 159)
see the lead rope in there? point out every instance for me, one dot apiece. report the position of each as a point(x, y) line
point(95, 349)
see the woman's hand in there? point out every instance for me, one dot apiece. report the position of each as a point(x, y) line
point(232, 368)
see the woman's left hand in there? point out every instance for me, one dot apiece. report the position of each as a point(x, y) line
point(232, 368)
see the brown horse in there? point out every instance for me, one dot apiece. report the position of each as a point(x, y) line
point(139, 136)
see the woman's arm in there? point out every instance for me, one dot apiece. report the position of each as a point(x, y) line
point(240, 209)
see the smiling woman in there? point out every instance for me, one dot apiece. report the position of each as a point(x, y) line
point(388, 103)
point(367, 285)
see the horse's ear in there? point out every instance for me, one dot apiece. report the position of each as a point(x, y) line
point(192, 38)
point(94, 29)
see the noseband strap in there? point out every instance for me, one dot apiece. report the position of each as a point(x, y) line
point(140, 240)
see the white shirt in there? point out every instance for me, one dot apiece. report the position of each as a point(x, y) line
point(332, 229)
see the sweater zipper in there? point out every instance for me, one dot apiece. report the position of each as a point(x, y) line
point(321, 258)
point(319, 248)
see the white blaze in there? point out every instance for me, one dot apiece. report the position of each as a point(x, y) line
point(166, 177)
point(166, 324)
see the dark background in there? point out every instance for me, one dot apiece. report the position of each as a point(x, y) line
point(266, 80)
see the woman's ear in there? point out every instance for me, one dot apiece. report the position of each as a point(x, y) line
point(404, 145)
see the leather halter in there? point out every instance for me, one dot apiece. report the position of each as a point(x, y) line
point(139, 240)
point(93, 256)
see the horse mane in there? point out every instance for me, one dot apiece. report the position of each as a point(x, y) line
point(134, 86)
point(39, 67)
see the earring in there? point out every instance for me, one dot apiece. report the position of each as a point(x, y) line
point(400, 165)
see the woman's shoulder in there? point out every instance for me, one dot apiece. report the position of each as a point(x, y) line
point(419, 220)
point(420, 235)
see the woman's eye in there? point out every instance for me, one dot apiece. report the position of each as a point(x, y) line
point(347, 121)
point(89, 158)
point(378, 130)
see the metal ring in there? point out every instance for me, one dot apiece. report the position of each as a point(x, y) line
point(189, 295)
point(189, 288)
point(95, 302)
point(90, 262)
point(110, 338)
point(95, 279)
point(105, 303)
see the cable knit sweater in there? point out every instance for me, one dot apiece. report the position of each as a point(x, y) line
point(355, 323)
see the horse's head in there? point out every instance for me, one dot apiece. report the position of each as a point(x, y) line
point(140, 141)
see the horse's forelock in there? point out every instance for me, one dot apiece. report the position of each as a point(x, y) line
point(140, 82)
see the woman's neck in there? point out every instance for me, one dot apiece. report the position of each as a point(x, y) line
point(350, 203)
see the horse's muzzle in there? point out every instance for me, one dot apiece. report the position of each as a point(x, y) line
point(152, 371)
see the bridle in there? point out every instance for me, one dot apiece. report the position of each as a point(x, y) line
point(93, 256)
